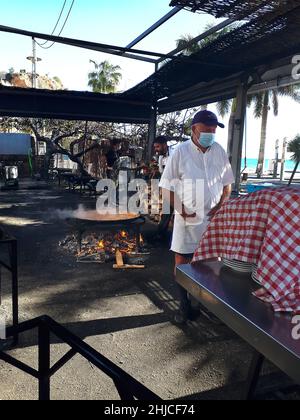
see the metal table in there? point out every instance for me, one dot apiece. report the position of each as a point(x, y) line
point(228, 296)
point(11, 245)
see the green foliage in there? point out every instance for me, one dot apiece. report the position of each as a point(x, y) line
point(272, 97)
point(57, 79)
point(105, 78)
point(294, 148)
point(184, 41)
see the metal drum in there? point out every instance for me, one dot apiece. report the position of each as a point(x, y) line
point(11, 175)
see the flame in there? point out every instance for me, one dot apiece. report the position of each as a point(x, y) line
point(123, 240)
point(101, 244)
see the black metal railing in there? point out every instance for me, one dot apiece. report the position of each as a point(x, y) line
point(12, 268)
point(128, 388)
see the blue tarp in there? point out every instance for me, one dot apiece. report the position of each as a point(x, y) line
point(14, 144)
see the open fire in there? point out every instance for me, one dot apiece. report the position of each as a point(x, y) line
point(101, 248)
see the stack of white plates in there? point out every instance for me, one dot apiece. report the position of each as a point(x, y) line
point(239, 266)
point(254, 274)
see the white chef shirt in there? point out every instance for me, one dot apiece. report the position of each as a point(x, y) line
point(163, 160)
point(187, 165)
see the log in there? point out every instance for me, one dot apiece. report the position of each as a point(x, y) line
point(128, 267)
point(119, 258)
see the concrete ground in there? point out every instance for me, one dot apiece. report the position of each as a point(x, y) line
point(125, 315)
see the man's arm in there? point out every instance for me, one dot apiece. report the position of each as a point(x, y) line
point(171, 174)
point(175, 203)
point(226, 194)
point(227, 190)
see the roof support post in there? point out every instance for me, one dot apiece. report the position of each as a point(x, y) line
point(236, 138)
point(153, 121)
point(152, 132)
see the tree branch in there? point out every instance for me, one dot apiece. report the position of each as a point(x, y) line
point(79, 155)
point(64, 136)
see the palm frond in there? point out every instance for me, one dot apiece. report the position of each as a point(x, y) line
point(105, 78)
point(294, 148)
point(224, 107)
point(184, 43)
point(275, 100)
point(258, 101)
point(292, 91)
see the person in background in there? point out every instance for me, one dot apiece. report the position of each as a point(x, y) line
point(112, 156)
point(162, 151)
point(200, 159)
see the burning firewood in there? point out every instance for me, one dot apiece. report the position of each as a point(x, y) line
point(120, 263)
point(102, 248)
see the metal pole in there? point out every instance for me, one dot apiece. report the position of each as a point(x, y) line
point(253, 376)
point(15, 287)
point(276, 159)
point(33, 63)
point(283, 159)
point(138, 238)
point(236, 146)
point(153, 123)
point(161, 21)
point(44, 363)
point(109, 49)
point(124, 392)
point(34, 60)
point(200, 38)
point(152, 131)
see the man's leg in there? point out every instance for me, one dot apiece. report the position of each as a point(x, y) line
point(185, 311)
point(164, 224)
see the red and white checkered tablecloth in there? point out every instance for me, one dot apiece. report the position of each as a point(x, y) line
point(262, 228)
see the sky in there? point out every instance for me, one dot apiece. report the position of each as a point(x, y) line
point(117, 22)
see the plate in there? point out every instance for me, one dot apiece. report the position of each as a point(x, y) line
point(255, 280)
point(239, 266)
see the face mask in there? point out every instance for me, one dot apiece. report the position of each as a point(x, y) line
point(206, 140)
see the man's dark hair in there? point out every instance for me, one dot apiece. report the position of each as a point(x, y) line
point(161, 140)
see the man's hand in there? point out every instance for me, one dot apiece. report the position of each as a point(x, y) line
point(214, 211)
point(186, 215)
point(225, 197)
point(176, 204)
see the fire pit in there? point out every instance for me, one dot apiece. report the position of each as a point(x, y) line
point(84, 221)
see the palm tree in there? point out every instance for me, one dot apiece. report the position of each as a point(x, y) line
point(224, 107)
point(294, 147)
point(189, 49)
point(262, 106)
point(262, 101)
point(105, 78)
point(184, 43)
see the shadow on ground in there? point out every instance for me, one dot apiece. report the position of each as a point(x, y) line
point(124, 312)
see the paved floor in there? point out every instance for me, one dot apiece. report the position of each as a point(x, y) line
point(126, 316)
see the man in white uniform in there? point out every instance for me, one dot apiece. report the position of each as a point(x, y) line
point(161, 149)
point(199, 164)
